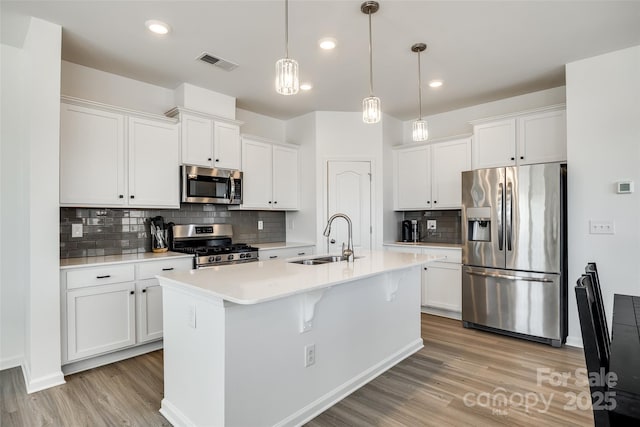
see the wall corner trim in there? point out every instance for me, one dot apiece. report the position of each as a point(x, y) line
point(36, 384)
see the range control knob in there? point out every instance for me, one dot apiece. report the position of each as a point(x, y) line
point(212, 259)
point(218, 258)
point(242, 255)
point(229, 257)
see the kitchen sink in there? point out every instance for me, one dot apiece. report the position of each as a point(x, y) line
point(320, 260)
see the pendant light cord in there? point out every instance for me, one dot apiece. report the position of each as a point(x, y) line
point(286, 28)
point(370, 57)
point(419, 89)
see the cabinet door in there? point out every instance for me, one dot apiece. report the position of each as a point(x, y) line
point(197, 140)
point(449, 159)
point(100, 319)
point(226, 145)
point(257, 174)
point(542, 138)
point(149, 310)
point(285, 177)
point(494, 144)
point(92, 166)
point(153, 164)
point(442, 286)
point(412, 176)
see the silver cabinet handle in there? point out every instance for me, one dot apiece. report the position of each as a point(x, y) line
point(273, 256)
point(167, 269)
point(301, 253)
point(509, 277)
point(103, 277)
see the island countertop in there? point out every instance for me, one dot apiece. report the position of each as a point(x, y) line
point(258, 282)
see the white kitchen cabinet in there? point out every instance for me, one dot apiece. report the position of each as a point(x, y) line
point(112, 158)
point(284, 253)
point(112, 307)
point(521, 139)
point(428, 176)
point(270, 175)
point(441, 280)
point(100, 319)
point(207, 140)
point(153, 164)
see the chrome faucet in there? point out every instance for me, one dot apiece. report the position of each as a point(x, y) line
point(348, 252)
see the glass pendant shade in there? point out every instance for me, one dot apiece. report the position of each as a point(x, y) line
point(287, 82)
point(420, 130)
point(371, 109)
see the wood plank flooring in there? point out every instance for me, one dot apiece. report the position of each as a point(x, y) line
point(427, 389)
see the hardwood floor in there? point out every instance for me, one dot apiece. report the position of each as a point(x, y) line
point(456, 379)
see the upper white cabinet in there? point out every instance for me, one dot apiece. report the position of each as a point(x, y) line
point(208, 141)
point(270, 175)
point(521, 139)
point(428, 176)
point(113, 158)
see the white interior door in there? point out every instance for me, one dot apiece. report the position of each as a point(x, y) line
point(349, 192)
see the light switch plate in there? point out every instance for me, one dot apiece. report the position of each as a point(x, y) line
point(260, 225)
point(76, 230)
point(431, 224)
point(602, 227)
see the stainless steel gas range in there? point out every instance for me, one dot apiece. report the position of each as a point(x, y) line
point(210, 244)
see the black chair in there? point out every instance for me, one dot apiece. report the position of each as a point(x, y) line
point(595, 354)
point(604, 337)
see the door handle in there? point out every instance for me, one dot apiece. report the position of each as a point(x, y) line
point(500, 216)
point(509, 214)
point(508, 276)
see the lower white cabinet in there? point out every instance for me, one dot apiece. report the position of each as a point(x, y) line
point(100, 319)
point(107, 308)
point(283, 253)
point(441, 280)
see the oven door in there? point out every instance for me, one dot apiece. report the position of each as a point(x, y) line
point(211, 185)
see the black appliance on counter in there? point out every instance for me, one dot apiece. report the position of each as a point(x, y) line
point(410, 230)
point(210, 244)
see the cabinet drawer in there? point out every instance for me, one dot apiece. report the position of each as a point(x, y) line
point(267, 254)
point(149, 270)
point(452, 255)
point(100, 275)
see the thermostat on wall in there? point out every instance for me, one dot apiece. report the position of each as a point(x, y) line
point(624, 187)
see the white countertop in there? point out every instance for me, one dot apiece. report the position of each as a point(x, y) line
point(262, 281)
point(118, 259)
point(425, 244)
point(281, 245)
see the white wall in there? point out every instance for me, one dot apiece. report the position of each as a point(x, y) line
point(95, 85)
point(456, 122)
point(14, 271)
point(301, 224)
point(603, 147)
point(261, 125)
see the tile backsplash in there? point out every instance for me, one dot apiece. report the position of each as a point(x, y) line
point(448, 223)
point(126, 231)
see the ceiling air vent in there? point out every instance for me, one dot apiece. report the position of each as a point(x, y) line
point(218, 62)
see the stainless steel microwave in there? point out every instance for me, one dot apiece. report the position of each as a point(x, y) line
point(211, 185)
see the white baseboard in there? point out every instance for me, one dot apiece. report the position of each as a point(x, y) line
point(36, 384)
point(173, 414)
point(441, 312)
point(11, 362)
point(331, 398)
point(105, 359)
point(574, 342)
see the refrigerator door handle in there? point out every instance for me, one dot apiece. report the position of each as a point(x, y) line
point(509, 277)
point(500, 216)
point(509, 215)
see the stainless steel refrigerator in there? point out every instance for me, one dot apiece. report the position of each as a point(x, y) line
point(514, 276)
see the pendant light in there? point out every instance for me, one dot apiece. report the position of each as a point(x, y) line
point(287, 82)
point(371, 104)
point(420, 131)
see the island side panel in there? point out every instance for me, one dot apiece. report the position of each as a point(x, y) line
point(194, 358)
point(357, 332)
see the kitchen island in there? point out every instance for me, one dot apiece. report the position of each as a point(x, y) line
point(276, 343)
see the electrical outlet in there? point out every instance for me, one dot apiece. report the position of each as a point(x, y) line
point(431, 225)
point(76, 230)
point(309, 355)
point(192, 316)
point(602, 227)
point(260, 225)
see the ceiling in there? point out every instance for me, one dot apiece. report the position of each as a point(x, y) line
point(482, 50)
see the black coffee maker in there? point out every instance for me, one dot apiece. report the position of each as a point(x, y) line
point(410, 230)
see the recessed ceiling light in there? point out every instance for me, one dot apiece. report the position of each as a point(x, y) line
point(327, 43)
point(435, 83)
point(306, 86)
point(157, 27)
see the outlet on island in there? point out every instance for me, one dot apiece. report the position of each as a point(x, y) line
point(309, 355)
